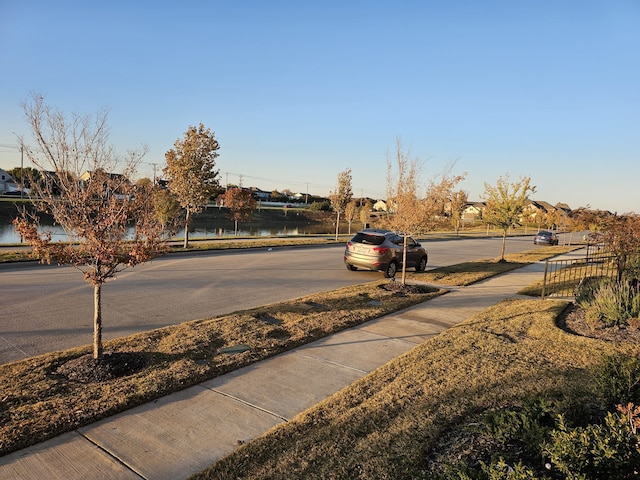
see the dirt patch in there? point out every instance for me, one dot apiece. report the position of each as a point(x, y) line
point(407, 289)
point(86, 369)
point(574, 320)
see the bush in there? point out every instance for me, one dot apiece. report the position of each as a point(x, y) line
point(320, 207)
point(611, 303)
point(601, 451)
point(617, 380)
point(527, 425)
point(502, 471)
point(586, 290)
point(499, 470)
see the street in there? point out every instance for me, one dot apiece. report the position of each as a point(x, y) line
point(49, 308)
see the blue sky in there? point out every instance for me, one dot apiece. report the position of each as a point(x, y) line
point(297, 92)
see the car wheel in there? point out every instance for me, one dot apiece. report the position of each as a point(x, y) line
point(391, 270)
point(353, 268)
point(422, 265)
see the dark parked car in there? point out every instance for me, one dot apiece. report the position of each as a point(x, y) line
point(545, 238)
point(381, 250)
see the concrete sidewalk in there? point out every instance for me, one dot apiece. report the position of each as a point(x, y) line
point(182, 433)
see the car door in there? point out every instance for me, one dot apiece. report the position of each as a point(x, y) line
point(397, 242)
point(413, 252)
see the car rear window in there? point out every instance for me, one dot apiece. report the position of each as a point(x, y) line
point(368, 239)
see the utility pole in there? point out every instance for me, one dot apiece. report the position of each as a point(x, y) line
point(154, 173)
point(21, 171)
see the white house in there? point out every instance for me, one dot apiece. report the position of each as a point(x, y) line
point(6, 182)
point(380, 206)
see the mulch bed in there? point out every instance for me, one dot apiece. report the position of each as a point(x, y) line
point(86, 369)
point(574, 321)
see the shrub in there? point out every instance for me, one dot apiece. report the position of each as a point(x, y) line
point(614, 303)
point(320, 207)
point(500, 470)
point(617, 380)
point(586, 290)
point(527, 425)
point(600, 451)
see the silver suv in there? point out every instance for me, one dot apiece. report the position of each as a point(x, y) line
point(381, 250)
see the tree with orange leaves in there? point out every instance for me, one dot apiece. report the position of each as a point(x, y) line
point(95, 207)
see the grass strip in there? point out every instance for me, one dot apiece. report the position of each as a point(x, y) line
point(392, 423)
point(471, 272)
point(39, 401)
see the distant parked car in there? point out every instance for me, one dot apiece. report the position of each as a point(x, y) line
point(545, 238)
point(381, 250)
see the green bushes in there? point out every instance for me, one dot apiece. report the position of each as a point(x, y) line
point(607, 451)
point(541, 440)
point(617, 380)
point(527, 424)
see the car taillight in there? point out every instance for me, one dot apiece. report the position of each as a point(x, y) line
point(381, 249)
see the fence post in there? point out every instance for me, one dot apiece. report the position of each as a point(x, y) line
point(544, 280)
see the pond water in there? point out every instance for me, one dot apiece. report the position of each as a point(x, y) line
point(9, 236)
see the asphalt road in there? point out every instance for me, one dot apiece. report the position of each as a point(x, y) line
point(50, 308)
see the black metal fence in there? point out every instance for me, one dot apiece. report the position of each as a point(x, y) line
point(562, 276)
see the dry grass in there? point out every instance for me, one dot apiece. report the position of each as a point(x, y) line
point(390, 424)
point(39, 402)
point(471, 272)
point(252, 242)
point(14, 253)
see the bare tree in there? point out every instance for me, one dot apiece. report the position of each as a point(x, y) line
point(190, 171)
point(341, 196)
point(408, 210)
point(240, 203)
point(439, 196)
point(505, 203)
point(94, 206)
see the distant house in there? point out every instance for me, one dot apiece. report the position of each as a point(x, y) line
point(259, 194)
point(472, 211)
point(6, 182)
point(88, 176)
point(380, 206)
point(113, 183)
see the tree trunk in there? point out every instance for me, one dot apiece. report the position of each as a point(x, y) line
point(337, 225)
point(186, 229)
point(404, 260)
point(97, 321)
point(504, 240)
